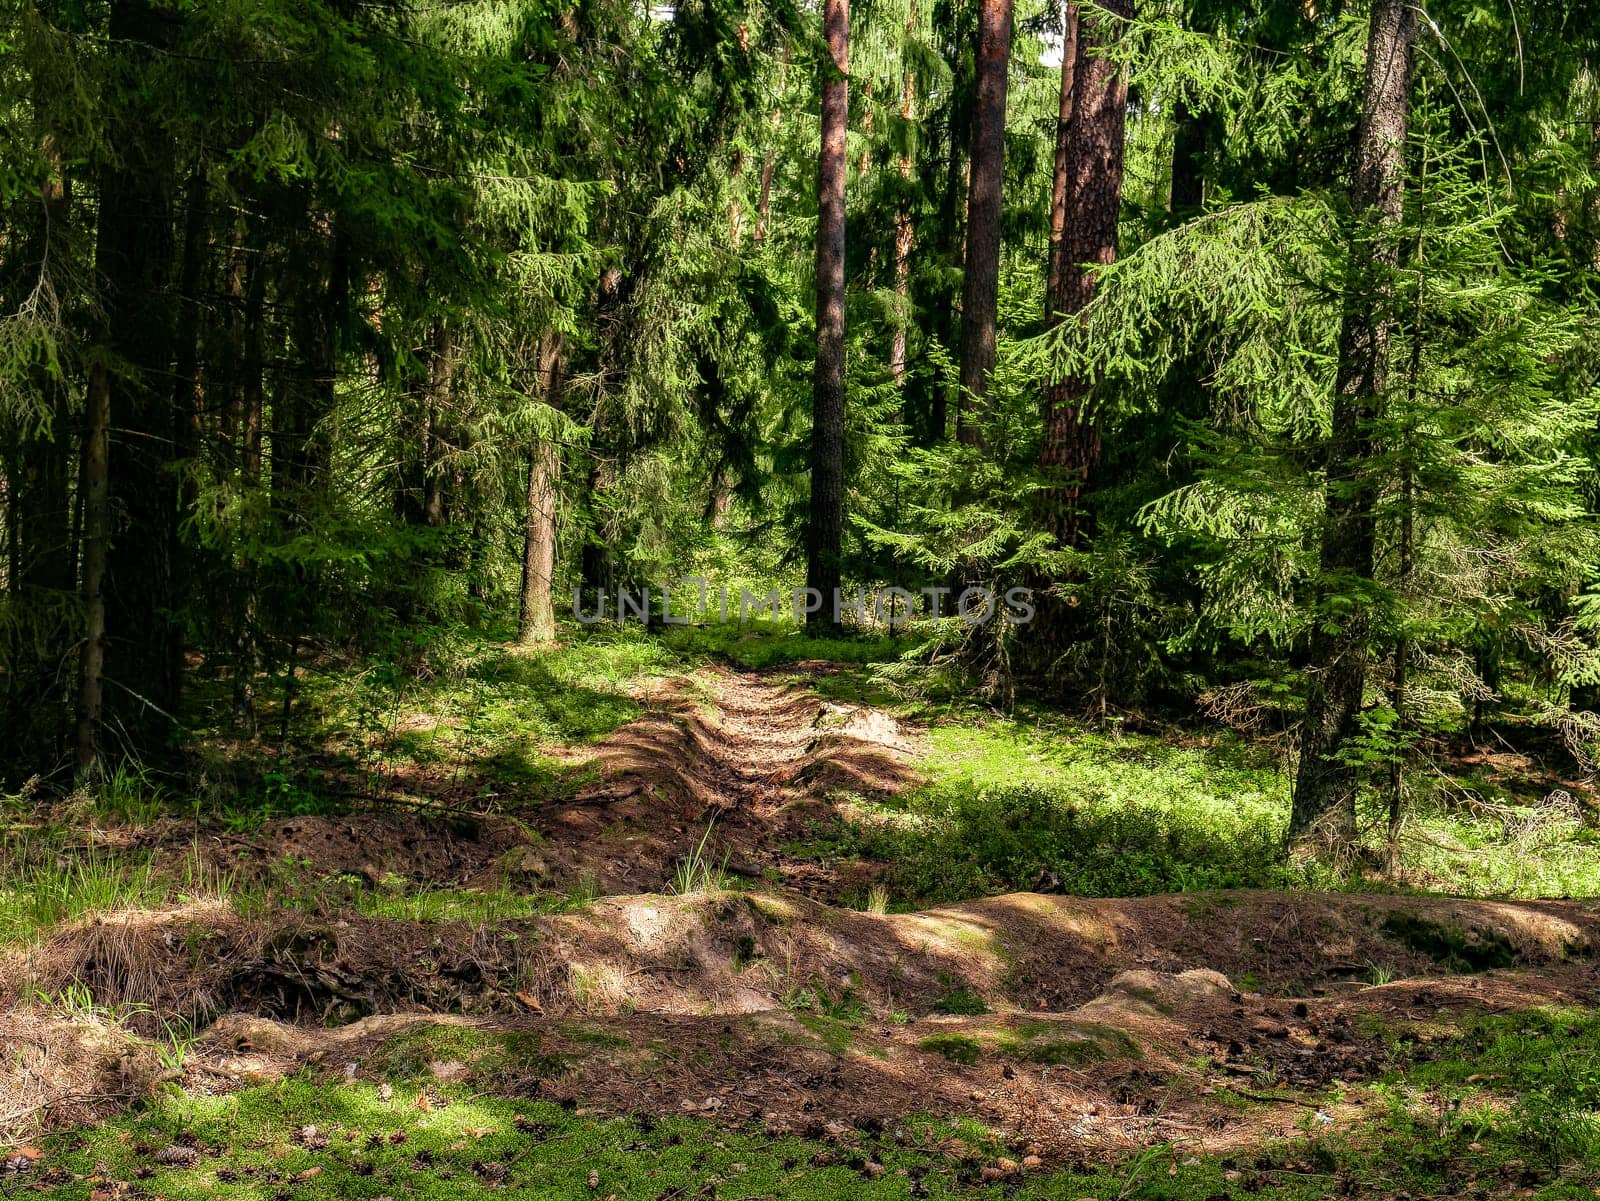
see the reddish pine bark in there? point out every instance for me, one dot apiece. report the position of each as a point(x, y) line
point(825, 532)
point(980, 286)
point(1087, 203)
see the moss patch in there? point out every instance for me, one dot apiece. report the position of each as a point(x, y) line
point(431, 1051)
point(1053, 1043)
point(957, 1048)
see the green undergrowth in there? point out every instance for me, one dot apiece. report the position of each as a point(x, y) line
point(465, 708)
point(1041, 801)
point(1011, 804)
point(1528, 1080)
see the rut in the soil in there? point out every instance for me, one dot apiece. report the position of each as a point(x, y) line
point(758, 762)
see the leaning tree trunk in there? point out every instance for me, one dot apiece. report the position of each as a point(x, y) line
point(980, 285)
point(825, 532)
point(536, 622)
point(1087, 202)
point(1325, 785)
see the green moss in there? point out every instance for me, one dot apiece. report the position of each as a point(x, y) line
point(1055, 1043)
point(957, 1048)
point(482, 1054)
point(834, 1034)
point(592, 1036)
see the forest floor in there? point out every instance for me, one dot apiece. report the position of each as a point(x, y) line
point(632, 920)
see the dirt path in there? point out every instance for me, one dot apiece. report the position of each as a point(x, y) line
point(759, 762)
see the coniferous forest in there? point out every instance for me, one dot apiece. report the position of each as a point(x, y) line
point(926, 598)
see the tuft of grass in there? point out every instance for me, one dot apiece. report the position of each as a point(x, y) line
point(877, 900)
point(959, 999)
point(45, 887)
point(698, 873)
point(129, 796)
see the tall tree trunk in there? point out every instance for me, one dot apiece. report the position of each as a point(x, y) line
point(94, 487)
point(536, 622)
point(1058, 181)
point(251, 396)
point(252, 384)
point(139, 652)
point(441, 382)
point(1088, 203)
point(1186, 197)
point(980, 284)
point(40, 501)
point(1325, 787)
point(952, 245)
point(904, 230)
point(825, 533)
point(188, 397)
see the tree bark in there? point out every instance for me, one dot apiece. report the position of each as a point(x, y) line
point(96, 537)
point(1058, 181)
point(188, 392)
point(904, 229)
point(980, 284)
point(1084, 217)
point(40, 504)
point(825, 531)
point(441, 382)
point(252, 385)
point(139, 650)
point(1186, 197)
point(536, 621)
point(1325, 787)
